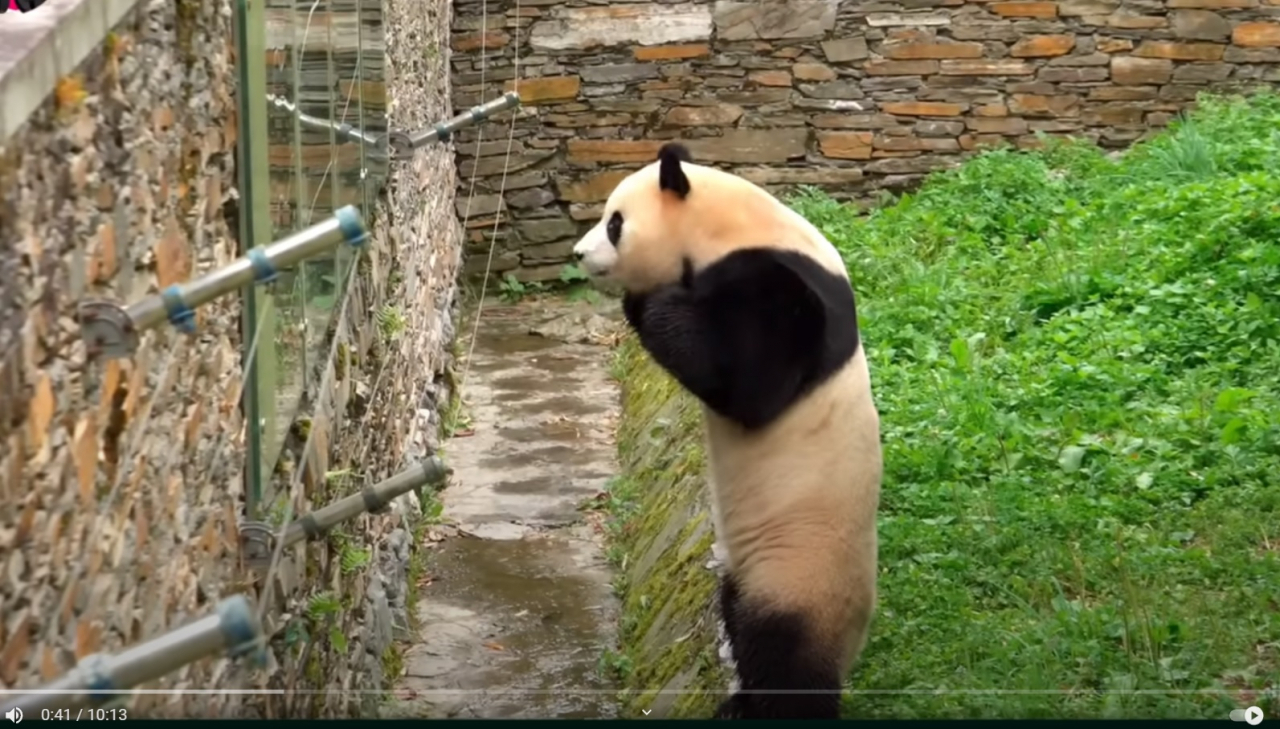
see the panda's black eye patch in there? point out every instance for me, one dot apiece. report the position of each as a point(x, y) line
point(614, 229)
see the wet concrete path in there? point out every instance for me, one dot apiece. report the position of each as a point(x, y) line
point(520, 608)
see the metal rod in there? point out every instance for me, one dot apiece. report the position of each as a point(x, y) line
point(443, 130)
point(98, 678)
point(345, 225)
point(346, 132)
point(372, 499)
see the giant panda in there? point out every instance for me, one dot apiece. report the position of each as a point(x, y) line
point(750, 308)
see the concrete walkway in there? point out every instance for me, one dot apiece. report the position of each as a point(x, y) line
point(519, 609)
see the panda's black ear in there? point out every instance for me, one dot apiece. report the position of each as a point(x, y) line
point(677, 150)
point(670, 174)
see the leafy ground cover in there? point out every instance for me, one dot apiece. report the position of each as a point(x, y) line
point(1077, 360)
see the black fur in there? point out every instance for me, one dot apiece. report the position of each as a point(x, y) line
point(677, 150)
point(783, 672)
point(670, 176)
point(750, 334)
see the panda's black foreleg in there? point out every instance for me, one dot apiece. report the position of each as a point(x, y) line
point(783, 672)
point(674, 332)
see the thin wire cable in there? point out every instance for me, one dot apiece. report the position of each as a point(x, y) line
point(307, 448)
point(225, 435)
point(493, 236)
point(471, 190)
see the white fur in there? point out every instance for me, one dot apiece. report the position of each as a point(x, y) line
point(598, 254)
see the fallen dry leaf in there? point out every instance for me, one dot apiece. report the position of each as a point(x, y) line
point(494, 646)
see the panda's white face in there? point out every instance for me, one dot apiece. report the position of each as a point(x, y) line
point(596, 253)
point(634, 199)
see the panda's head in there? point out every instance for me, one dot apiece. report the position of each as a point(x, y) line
point(673, 215)
point(641, 238)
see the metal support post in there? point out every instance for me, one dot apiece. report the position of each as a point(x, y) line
point(113, 331)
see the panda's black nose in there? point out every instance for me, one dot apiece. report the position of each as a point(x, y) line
point(579, 255)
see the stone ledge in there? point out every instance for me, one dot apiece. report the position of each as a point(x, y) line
point(39, 47)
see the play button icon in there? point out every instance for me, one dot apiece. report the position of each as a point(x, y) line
point(1253, 716)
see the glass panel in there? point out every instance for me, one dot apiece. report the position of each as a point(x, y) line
point(373, 98)
point(318, 73)
point(255, 230)
point(287, 189)
point(318, 162)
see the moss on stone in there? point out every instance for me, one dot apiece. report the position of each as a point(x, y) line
point(668, 625)
point(186, 23)
point(392, 663)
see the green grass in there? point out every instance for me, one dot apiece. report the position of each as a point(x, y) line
point(1077, 362)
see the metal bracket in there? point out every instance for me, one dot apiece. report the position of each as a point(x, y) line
point(398, 144)
point(107, 329)
point(257, 540)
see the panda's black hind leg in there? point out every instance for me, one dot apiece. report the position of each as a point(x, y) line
point(730, 708)
point(783, 671)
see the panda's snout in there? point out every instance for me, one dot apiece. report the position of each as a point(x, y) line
point(579, 254)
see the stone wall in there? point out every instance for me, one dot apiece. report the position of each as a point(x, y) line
point(851, 96)
point(121, 482)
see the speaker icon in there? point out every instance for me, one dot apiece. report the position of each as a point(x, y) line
point(14, 715)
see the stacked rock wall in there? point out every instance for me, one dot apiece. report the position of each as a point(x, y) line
point(851, 96)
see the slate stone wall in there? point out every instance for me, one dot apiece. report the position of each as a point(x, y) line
point(849, 95)
point(122, 481)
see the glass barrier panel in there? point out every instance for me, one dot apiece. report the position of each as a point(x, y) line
point(372, 94)
point(285, 27)
point(255, 230)
point(320, 151)
point(321, 65)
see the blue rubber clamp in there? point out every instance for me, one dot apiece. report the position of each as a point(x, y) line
point(235, 618)
point(442, 132)
point(97, 679)
point(351, 225)
point(180, 315)
point(263, 271)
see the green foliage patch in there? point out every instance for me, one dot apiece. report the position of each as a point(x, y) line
point(1077, 362)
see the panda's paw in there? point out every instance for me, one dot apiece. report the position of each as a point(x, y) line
point(724, 647)
point(725, 652)
point(717, 561)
